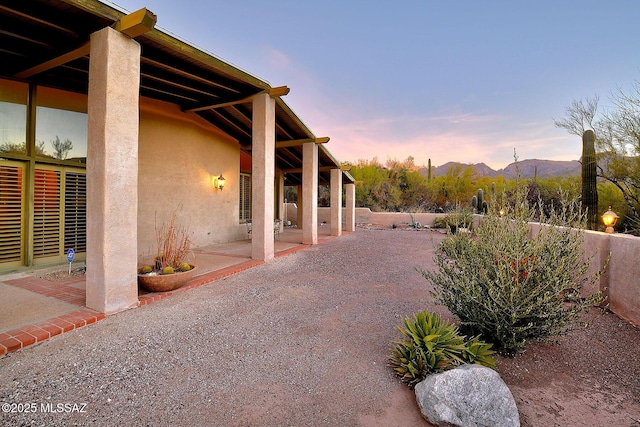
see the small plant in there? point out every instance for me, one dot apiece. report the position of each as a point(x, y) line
point(173, 243)
point(453, 221)
point(434, 346)
point(414, 224)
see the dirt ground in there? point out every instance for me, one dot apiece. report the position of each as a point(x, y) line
point(591, 377)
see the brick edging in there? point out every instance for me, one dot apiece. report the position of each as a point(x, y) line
point(31, 334)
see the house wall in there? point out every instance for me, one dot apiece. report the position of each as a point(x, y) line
point(178, 154)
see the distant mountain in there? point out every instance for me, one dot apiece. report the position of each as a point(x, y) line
point(545, 168)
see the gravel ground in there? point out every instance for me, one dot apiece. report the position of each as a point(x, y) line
point(300, 341)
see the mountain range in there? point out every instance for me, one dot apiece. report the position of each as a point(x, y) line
point(528, 168)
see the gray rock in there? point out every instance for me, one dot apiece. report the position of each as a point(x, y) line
point(470, 395)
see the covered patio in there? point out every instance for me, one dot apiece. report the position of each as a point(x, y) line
point(35, 308)
point(163, 119)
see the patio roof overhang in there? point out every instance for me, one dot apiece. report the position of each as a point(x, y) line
point(46, 42)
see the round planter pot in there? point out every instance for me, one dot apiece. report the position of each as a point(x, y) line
point(165, 282)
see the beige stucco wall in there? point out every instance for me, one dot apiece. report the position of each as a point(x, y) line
point(620, 281)
point(178, 154)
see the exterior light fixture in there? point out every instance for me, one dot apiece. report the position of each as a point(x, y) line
point(609, 219)
point(218, 182)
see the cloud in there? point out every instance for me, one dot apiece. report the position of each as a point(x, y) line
point(467, 138)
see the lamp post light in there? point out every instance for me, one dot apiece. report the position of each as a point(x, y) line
point(609, 219)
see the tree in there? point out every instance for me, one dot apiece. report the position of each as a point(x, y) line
point(61, 149)
point(617, 133)
point(589, 172)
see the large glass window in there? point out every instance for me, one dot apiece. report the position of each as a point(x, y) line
point(50, 196)
point(61, 125)
point(13, 116)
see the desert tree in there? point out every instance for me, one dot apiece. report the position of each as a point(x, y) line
point(61, 149)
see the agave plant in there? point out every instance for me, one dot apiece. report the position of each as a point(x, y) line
point(434, 346)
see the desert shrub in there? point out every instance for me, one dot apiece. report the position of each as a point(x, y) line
point(510, 285)
point(434, 346)
point(459, 218)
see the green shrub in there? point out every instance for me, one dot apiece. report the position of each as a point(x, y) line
point(510, 287)
point(434, 346)
point(460, 218)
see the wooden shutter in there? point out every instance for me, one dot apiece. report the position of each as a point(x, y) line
point(11, 218)
point(245, 197)
point(75, 212)
point(46, 213)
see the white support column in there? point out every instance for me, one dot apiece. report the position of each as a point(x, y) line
point(310, 193)
point(263, 177)
point(350, 206)
point(112, 172)
point(336, 202)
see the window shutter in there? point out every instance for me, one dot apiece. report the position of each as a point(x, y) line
point(11, 222)
point(245, 197)
point(75, 212)
point(46, 213)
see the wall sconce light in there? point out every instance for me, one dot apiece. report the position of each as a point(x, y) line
point(218, 182)
point(609, 219)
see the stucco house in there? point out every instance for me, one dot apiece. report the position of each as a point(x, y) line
point(108, 123)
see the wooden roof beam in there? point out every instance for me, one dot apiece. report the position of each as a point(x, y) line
point(137, 23)
point(298, 142)
point(272, 92)
point(132, 25)
point(320, 169)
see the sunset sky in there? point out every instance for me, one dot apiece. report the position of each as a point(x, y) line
point(466, 81)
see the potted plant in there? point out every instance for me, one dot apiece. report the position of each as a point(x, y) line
point(169, 270)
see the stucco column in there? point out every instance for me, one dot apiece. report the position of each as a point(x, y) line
point(310, 193)
point(112, 172)
point(350, 206)
point(263, 177)
point(336, 202)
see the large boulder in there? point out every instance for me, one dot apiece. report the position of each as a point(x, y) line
point(469, 395)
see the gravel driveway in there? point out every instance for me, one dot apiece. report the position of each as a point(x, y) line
point(300, 341)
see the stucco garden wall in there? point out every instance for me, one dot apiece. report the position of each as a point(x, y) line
point(621, 280)
point(178, 155)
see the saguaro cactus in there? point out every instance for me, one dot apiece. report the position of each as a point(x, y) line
point(589, 187)
point(478, 202)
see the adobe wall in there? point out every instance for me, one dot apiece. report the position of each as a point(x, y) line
point(365, 217)
point(620, 281)
point(178, 154)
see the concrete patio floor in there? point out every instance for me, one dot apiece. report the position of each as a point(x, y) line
point(34, 309)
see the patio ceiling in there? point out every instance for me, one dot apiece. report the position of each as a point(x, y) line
point(46, 42)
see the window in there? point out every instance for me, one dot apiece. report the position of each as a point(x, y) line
point(13, 117)
point(61, 125)
point(245, 197)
